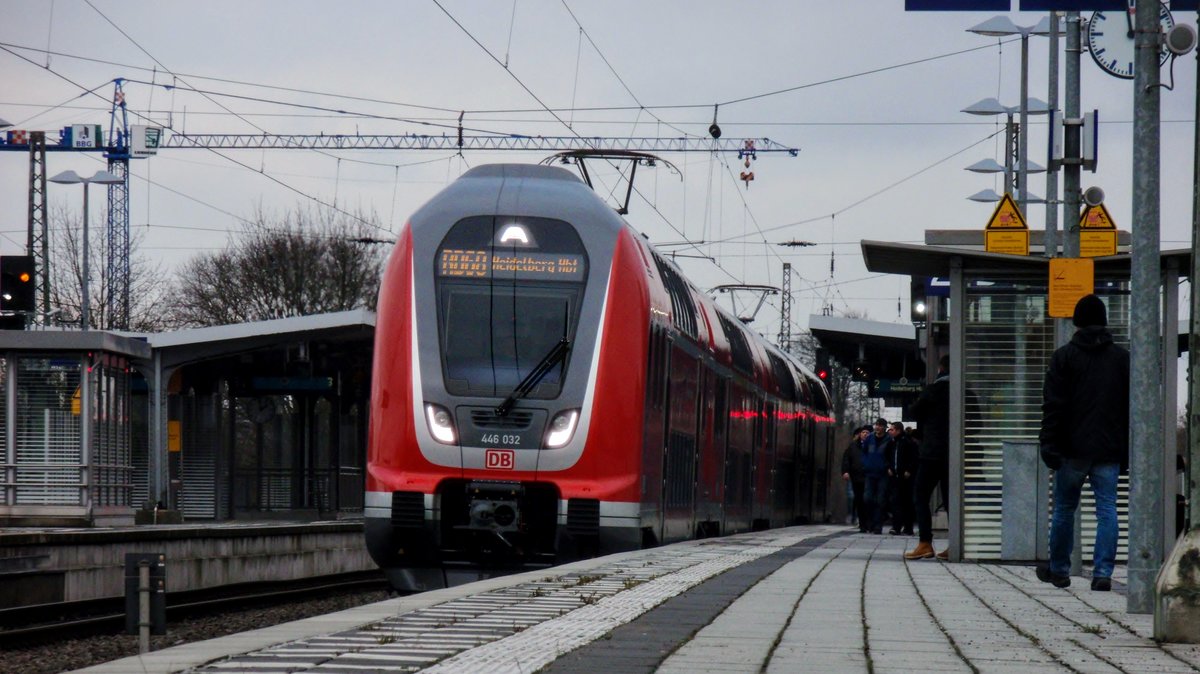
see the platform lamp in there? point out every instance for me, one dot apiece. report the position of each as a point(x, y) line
point(1002, 26)
point(992, 107)
point(72, 178)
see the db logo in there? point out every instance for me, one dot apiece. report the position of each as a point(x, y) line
point(500, 459)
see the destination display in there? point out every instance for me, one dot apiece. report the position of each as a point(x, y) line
point(460, 263)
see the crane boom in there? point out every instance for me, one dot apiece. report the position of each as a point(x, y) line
point(454, 142)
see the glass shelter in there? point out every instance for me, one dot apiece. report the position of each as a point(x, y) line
point(65, 428)
point(1000, 338)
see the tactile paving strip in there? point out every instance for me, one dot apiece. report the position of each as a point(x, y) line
point(519, 628)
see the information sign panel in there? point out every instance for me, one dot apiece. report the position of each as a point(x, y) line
point(1070, 279)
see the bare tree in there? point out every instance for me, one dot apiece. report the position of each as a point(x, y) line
point(149, 286)
point(305, 261)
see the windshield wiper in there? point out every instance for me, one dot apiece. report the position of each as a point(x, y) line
point(556, 354)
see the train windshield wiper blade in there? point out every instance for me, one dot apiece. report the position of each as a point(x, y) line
point(556, 354)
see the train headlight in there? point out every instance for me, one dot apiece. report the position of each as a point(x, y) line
point(441, 424)
point(562, 427)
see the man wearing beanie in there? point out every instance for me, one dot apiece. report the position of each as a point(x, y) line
point(1085, 435)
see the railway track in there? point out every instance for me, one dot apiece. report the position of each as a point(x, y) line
point(30, 625)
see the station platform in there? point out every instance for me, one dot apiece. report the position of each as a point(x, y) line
point(800, 599)
point(50, 565)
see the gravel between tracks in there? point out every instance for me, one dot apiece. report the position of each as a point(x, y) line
point(62, 656)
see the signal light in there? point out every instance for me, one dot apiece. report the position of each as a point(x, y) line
point(860, 372)
point(16, 283)
point(823, 375)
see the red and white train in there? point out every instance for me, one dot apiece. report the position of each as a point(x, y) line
point(547, 386)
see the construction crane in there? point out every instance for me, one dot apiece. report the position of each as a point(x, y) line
point(127, 142)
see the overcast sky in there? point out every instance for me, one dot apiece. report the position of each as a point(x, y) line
point(882, 154)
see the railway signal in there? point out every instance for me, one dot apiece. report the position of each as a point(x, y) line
point(16, 283)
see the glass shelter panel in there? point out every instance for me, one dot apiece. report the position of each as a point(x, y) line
point(1007, 346)
point(48, 448)
point(111, 461)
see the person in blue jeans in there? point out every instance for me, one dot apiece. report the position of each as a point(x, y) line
point(1085, 435)
point(876, 452)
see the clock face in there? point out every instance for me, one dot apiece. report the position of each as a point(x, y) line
point(1110, 39)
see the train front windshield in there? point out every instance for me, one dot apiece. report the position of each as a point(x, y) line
point(509, 290)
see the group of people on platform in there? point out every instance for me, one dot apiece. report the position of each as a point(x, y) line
point(894, 471)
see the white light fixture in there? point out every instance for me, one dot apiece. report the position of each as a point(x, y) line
point(73, 178)
point(562, 427)
point(985, 196)
point(441, 424)
point(514, 233)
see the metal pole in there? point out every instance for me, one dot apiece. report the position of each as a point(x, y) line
point(1070, 239)
point(1023, 138)
point(143, 606)
point(1193, 412)
point(1010, 138)
point(83, 304)
point(1050, 241)
point(1146, 396)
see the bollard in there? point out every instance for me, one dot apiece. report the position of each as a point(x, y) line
point(145, 596)
point(143, 606)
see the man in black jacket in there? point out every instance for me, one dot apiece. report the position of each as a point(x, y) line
point(932, 412)
point(902, 469)
point(1085, 435)
point(852, 472)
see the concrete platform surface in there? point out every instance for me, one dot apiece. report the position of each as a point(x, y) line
point(801, 599)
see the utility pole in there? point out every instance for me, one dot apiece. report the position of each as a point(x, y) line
point(1050, 240)
point(785, 311)
point(1145, 383)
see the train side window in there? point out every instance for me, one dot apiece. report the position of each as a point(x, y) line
point(742, 359)
point(682, 306)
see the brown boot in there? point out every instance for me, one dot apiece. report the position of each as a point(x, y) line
point(923, 550)
point(944, 555)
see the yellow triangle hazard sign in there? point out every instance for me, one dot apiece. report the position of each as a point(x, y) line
point(1096, 217)
point(1007, 215)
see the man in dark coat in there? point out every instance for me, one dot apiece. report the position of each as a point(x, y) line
point(876, 449)
point(932, 412)
point(1085, 435)
point(902, 469)
point(852, 472)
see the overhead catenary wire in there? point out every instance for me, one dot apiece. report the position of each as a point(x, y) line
point(491, 111)
point(268, 176)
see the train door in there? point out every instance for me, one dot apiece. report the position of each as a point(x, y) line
point(784, 501)
point(739, 447)
point(764, 464)
point(679, 460)
point(805, 431)
point(655, 434)
point(711, 465)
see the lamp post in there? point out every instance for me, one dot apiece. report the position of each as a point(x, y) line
point(1001, 26)
point(1012, 132)
point(73, 178)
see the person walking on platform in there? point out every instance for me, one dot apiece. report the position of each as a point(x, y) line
point(1085, 435)
point(903, 471)
point(932, 412)
point(852, 472)
point(875, 451)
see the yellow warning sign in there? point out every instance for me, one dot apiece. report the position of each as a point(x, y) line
point(174, 436)
point(1007, 232)
point(1097, 232)
point(1070, 279)
point(1096, 217)
point(75, 402)
point(1007, 215)
point(1010, 241)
